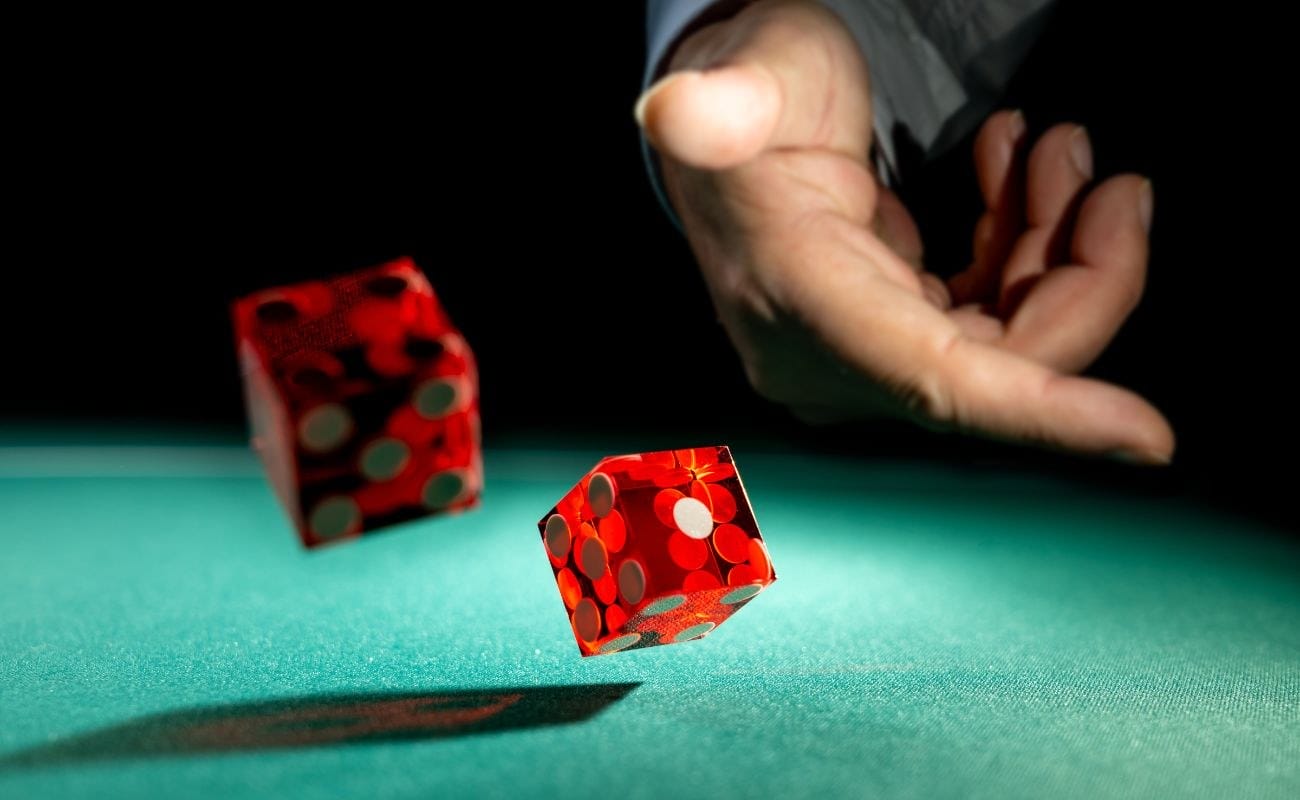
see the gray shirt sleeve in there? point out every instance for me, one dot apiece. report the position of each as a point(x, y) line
point(937, 66)
point(664, 19)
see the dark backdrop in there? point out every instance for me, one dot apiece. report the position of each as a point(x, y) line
point(159, 177)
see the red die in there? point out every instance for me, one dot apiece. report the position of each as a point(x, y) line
point(655, 548)
point(363, 400)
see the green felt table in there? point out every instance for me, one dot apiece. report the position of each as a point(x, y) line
point(935, 631)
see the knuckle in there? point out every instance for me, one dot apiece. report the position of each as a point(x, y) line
point(930, 403)
point(1128, 280)
point(812, 417)
point(763, 383)
point(1134, 286)
point(929, 397)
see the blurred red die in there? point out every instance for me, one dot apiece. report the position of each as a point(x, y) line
point(363, 400)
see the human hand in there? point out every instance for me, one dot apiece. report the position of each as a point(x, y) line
point(763, 125)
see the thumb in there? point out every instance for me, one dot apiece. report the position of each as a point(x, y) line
point(778, 75)
point(712, 120)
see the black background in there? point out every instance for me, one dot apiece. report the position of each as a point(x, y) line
point(158, 177)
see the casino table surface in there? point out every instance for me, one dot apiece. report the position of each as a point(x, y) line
point(935, 631)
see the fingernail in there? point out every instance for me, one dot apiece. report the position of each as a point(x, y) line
point(658, 86)
point(1017, 124)
point(639, 110)
point(1081, 152)
point(1146, 204)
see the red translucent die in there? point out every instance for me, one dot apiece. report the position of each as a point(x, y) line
point(654, 549)
point(362, 399)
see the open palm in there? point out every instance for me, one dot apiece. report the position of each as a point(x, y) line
point(763, 125)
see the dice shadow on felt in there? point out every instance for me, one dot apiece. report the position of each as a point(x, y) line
point(327, 720)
